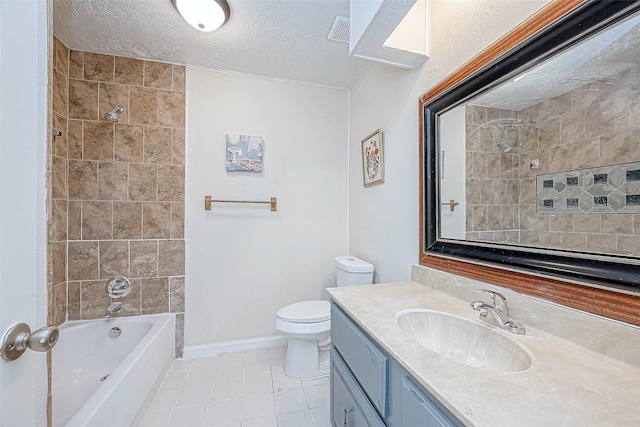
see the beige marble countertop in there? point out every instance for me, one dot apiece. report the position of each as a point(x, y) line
point(568, 384)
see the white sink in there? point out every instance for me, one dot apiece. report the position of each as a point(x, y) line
point(464, 341)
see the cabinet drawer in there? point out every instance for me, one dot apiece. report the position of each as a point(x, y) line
point(349, 406)
point(367, 362)
point(419, 410)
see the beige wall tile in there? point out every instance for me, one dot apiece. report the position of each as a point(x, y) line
point(176, 294)
point(560, 158)
point(157, 144)
point(129, 71)
point(598, 121)
point(171, 108)
point(616, 148)
point(114, 259)
point(98, 67)
point(61, 56)
point(156, 220)
point(586, 223)
point(560, 105)
point(58, 177)
point(179, 335)
point(177, 220)
point(60, 92)
point(97, 220)
point(143, 106)
point(628, 245)
point(572, 127)
point(131, 304)
point(155, 295)
point(586, 153)
point(550, 239)
point(97, 142)
point(76, 60)
point(94, 299)
point(576, 241)
point(171, 258)
point(112, 181)
point(157, 74)
point(58, 262)
point(127, 220)
point(179, 78)
point(60, 142)
point(73, 300)
point(58, 220)
point(143, 182)
point(128, 143)
point(178, 146)
point(74, 227)
point(83, 261)
point(59, 300)
point(111, 96)
point(74, 139)
point(561, 222)
point(636, 224)
point(83, 100)
point(603, 243)
point(144, 258)
point(171, 183)
point(617, 224)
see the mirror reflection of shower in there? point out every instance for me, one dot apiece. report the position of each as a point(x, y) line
point(112, 116)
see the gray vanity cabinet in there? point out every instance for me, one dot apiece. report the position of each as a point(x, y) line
point(370, 389)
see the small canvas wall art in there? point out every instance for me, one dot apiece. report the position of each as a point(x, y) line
point(244, 153)
point(372, 159)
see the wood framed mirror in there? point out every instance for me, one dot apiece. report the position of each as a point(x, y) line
point(547, 124)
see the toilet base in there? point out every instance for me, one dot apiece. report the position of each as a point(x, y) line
point(305, 360)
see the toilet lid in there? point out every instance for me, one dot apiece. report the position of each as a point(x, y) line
point(306, 312)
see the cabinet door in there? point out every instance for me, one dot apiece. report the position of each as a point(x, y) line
point(418, 410)
point(349, 405)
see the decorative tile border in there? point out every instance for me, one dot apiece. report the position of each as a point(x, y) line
point(601, 190)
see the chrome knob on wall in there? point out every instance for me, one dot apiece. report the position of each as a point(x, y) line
point(19, 337)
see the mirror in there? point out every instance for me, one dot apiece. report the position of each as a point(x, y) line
point(549, 136)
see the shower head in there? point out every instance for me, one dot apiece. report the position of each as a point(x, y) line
point(505, 148)
point(112, 116)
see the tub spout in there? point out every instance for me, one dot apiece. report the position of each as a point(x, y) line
point(114, 308)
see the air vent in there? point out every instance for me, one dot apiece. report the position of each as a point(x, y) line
point(339, 31)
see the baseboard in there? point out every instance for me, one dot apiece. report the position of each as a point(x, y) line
point(213, 349)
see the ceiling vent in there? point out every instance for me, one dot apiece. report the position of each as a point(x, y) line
point(339, 31)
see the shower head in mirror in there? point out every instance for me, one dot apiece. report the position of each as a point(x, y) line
point(112, 116)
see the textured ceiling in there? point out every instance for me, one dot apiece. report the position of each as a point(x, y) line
point(284, 39)
point(599, 57)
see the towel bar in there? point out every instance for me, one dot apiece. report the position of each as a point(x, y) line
point(208, 200)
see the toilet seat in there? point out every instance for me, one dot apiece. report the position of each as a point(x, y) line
point(306, 312)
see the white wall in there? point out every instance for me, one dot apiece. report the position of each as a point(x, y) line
point(244, 262)
point(384, 218)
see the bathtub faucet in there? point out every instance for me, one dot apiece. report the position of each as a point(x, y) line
point(114, 308)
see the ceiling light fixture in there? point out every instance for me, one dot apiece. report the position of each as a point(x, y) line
point(203, 15)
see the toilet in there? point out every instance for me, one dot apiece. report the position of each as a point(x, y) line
point(308, 323)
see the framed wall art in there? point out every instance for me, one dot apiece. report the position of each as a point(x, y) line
point(244, 153)
point(372, 159)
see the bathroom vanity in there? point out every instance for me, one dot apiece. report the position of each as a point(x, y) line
point(569, 369)
point(370, 388)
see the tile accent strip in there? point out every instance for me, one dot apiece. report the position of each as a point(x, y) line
point(599, 190)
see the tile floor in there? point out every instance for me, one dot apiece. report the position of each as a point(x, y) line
point(244, 389)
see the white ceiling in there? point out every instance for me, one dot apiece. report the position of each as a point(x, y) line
point(284, 39)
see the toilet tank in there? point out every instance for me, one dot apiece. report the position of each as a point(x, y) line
point(353, 271)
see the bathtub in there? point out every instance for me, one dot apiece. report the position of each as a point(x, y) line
point(100, 379)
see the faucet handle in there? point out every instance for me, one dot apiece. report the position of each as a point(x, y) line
point(499, 301)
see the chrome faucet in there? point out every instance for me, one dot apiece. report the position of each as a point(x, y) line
point(497, 314)
point(114, 308)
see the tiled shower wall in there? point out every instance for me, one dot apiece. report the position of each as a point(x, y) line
point(492, 174)
point(595, 125)
point(117, 189)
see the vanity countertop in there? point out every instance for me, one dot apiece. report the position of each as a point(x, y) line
point(569, 384)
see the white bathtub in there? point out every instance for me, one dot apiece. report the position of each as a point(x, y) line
point(135, 363)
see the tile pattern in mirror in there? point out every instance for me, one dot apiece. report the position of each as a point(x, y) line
point(606, 189)
point(588, 128)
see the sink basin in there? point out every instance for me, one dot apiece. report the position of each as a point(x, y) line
point(464, 341)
